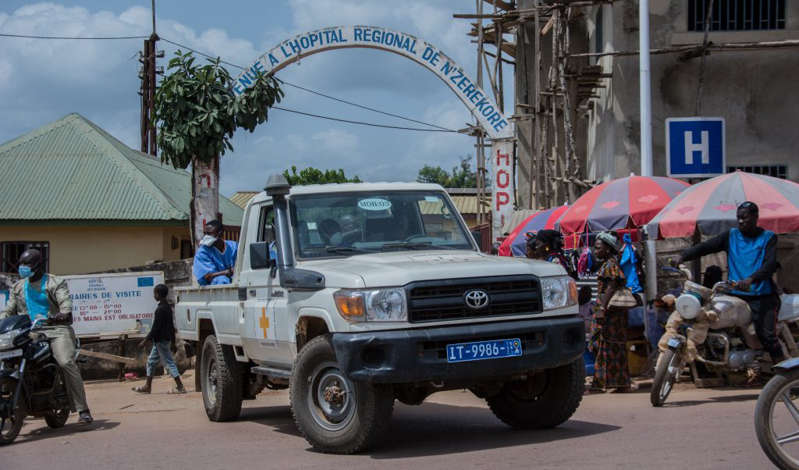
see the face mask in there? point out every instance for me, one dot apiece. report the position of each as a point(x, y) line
point(25, 271)
point(208, 240)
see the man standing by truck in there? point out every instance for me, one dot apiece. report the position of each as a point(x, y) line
point(215, 258)
point(39, 294)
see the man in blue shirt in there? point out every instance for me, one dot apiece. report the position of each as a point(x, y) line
point(751, 263)
point(215, 257)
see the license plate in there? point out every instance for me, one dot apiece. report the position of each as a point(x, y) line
point(674, 343)
point(10, 354)
point(481, 350)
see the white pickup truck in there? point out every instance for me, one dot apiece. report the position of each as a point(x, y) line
point(355, 295)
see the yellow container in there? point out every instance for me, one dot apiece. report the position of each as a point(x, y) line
point(636, 357)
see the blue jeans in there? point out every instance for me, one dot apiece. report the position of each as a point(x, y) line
point(161, 353)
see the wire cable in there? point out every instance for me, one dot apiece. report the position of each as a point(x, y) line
point(362, 123)
point(318, 93)
point(93, 38)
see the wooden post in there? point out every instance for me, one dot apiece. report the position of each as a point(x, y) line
point(572, 164)
point(122, 350)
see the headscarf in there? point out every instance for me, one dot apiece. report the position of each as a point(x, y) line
point(610, 240)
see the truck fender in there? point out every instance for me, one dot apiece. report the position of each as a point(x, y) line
point(309, 320)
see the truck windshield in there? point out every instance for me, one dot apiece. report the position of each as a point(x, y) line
point(328, 225)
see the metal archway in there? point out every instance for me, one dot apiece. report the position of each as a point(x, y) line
point(480, 104)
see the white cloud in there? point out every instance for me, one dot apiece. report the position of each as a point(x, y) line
point(337, 141)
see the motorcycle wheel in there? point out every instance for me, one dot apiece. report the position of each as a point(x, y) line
point(57, 418)
point(665, 375)
point(11, 425)
point(770, 424)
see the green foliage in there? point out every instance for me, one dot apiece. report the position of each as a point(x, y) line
point(313, 176)
point(461, 176)
point(197, 112)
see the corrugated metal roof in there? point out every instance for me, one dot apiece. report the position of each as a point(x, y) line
point(73, 170)
point(241, 198)
point(516, 218)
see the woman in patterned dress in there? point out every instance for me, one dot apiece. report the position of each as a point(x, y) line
point(609, 338)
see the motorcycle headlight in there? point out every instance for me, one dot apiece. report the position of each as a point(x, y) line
point(558, 292)
point(7, 339)
point(387, 304)
point(688, 306)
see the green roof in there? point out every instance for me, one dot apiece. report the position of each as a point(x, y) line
point(71, 169)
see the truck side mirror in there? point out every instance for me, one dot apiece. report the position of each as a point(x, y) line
point(259, 255)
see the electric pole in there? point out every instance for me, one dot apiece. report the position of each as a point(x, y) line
point(147, 73)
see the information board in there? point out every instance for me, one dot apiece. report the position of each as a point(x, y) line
point(113, 304)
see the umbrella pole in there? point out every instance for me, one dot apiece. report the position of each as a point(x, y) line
point(650, 254)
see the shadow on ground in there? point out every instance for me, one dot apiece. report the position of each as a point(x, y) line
point(45, 432)
point(719, 399)
point(437, 429)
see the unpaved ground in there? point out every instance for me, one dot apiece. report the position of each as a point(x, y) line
point(453, 430)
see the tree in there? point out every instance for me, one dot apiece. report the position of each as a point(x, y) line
point(461, 176)
point(311, 175)
point(196, 113)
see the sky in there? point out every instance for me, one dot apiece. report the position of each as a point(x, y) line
point(44, 80)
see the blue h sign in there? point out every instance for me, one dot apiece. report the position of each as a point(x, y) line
point(695, 147)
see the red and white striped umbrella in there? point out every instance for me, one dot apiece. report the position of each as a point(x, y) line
point(710, 206)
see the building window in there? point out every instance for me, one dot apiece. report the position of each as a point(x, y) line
point(737, 15)
point(777, 171)
point(599, 40)
point(11, 251)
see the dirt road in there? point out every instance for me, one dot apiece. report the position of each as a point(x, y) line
point(453, 430)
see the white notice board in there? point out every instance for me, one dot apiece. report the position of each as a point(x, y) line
point(113, 304)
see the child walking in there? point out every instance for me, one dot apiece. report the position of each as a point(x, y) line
point(162, 335)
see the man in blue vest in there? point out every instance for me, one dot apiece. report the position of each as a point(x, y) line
point(751, 263)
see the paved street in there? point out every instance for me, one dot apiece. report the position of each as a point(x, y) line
point(700, 428)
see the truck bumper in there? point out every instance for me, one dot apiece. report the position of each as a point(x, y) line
point(416, 355)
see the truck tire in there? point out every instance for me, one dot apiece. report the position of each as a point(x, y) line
point(221, 381)
point(664, 378)
point(333, 413)
point(544, 400)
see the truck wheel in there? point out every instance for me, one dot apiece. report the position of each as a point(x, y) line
point(544, 400)
point(221, 381)
point(668, 366)
point(333, 413)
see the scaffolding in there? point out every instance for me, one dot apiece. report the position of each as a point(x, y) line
point(555, 85)
point(548, 170)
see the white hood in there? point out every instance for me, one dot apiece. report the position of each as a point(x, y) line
point(400, 268)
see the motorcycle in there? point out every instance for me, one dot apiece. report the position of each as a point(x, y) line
point(776, 428)
point(711, 331)
point(31, 383)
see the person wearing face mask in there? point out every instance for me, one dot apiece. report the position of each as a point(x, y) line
point(215, 258)
point(39, 294)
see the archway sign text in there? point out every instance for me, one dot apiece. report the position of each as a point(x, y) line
point(480, 104)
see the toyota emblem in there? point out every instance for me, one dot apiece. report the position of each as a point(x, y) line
point(476, 299)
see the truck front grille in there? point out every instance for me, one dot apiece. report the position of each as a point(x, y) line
point(445, 300)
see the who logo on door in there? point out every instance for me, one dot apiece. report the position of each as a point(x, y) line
point(695, 147)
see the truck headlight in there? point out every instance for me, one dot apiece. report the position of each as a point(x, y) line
point(558, 292)
point(387, 304)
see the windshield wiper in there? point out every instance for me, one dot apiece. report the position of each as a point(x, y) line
point(417, 246)
point(345, 249)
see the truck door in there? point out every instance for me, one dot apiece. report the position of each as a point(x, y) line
point(258, 323)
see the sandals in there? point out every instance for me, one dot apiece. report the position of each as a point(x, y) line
point(141, 389)
point(177, 391)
